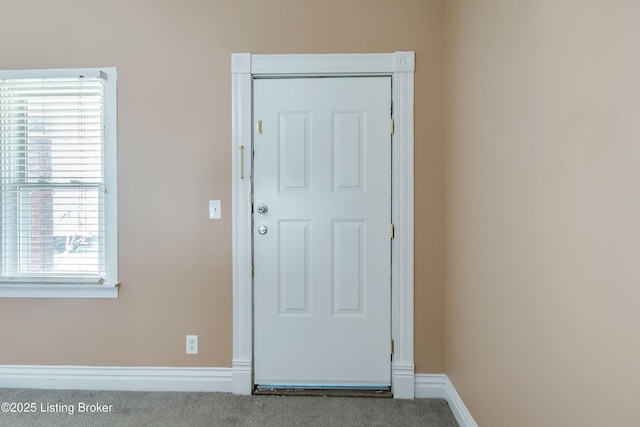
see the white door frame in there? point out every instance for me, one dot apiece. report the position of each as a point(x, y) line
point(400, 65)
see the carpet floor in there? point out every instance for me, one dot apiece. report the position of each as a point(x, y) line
point(118, 408)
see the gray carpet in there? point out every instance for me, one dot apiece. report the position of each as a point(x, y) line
point(214, 409)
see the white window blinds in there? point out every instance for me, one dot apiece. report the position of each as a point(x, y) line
point(52, 178)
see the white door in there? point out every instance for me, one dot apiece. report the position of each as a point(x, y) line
point(322, 217)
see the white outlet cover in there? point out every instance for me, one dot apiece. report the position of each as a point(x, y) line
point(192, 344)
point(215, 209)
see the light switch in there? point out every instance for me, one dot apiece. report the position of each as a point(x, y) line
point(215, 211)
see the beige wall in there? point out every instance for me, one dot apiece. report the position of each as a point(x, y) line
point(173, 60)
point(543, 211)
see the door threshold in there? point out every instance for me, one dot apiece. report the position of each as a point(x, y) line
point(323, 392)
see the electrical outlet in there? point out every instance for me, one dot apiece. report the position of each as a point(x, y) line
point(192, 344)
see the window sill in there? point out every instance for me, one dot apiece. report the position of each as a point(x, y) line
point(57, 290)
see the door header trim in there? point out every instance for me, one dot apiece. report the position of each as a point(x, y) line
point(246, 63)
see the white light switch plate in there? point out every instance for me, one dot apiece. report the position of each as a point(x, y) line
point(215, 210)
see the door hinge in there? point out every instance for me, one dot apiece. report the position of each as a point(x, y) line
point(392, 347)
point(392, 126)
point(392, 230)
point(259, 127)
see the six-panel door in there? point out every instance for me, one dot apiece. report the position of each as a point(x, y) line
point(322, 249)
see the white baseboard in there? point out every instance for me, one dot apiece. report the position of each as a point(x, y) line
point(116, 378)
point(438, 386)
point(427, 386)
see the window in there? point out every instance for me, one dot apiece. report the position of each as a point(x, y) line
point(58, 213)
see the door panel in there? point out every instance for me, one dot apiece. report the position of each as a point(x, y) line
point(322, 268)
point(348, 151)
point(293, 149)
point(294, 268)
point(347, 269)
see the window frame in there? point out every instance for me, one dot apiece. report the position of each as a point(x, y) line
point(53, 287)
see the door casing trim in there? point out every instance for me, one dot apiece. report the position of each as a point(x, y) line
point(401, 66)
